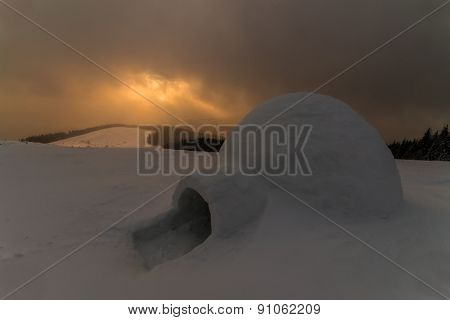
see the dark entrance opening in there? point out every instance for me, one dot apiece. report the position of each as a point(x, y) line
point(176, 232)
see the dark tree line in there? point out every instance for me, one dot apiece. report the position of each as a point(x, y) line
point(206, 144)
point(432, 146)
point(199, 143)
point(52, 137)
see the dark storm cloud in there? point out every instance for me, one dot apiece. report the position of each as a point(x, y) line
point(242, 51)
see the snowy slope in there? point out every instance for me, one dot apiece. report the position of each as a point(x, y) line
point(53, 199)
point(119, 137)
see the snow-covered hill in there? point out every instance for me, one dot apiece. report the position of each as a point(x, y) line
point(119, 137)
point(53, 199)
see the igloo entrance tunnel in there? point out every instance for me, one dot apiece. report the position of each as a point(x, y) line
point(353, 175)
point(176, 232)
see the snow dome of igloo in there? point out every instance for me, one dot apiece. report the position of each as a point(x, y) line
point(353, 173)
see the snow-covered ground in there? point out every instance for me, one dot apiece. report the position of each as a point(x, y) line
point(118, 137)
point(52, 199)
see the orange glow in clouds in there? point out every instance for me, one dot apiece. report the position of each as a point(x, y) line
point(181, 98)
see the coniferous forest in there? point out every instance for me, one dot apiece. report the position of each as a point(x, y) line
point(432, 146)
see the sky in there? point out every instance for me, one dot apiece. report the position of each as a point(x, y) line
point(212, 61)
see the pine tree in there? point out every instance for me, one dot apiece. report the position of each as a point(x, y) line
point(421, 148)
point(433, 151)
point(444, 144)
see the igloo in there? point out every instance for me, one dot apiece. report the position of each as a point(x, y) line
point(353, 174)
